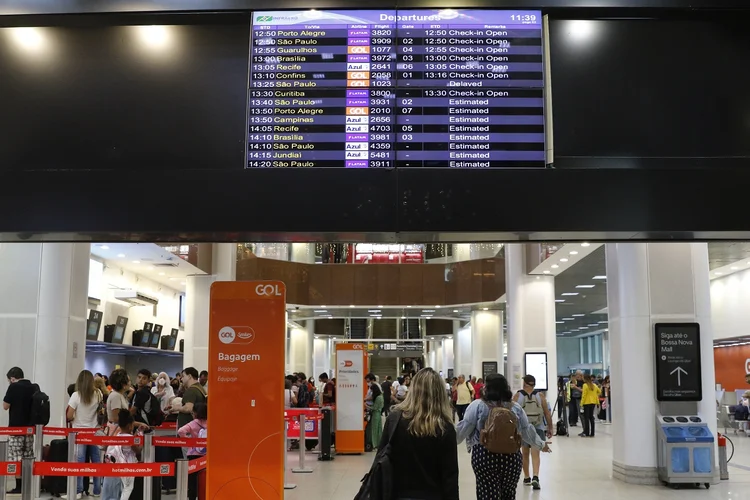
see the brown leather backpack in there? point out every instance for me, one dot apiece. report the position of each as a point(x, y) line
point(500, 432)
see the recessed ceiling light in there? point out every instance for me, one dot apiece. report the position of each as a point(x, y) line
point(121, 255)
point(428, 310)
point(560, 322)
point(161, 274)
point(403, 317)
point(455, 310)
point(323, 305)
point(603, 322)
point(104, 247)
point(733, 268)
point(569, 294)
point(573, 252)
point(408, 306)
point(594, 324)
point(564, 259)
point(585, 244)
point(351, 306)
point(321, 311)
point(373, 310)
point(585, 286)
point(555, 266)
point(584, 328)
point(546, 272)
point(559, 300)
point(380, 306)
point(600, 277)
point(569, 319)
point(485, 309)
point(136, 262)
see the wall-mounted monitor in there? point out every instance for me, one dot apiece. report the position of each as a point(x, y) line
point(535, 363)
point(93, 324)
point(156, 336)
point(119, 334)
point(148, 329)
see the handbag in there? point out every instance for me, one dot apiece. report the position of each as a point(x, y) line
point(101, 412)
point(378, 482)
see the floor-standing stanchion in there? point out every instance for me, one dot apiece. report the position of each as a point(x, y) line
point(72, 458)
point(181, 471)
point(3, 458)
point(36, 481)
point(302, 446)
point(149, 455)
point(27, 479)
point(287, 485)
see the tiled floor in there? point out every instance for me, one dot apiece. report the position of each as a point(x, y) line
point(577, 469)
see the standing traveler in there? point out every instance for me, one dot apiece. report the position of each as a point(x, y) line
point(290, 398)
point(18, 402)
point(590, 401)
point(575, 387)
point(385, 388)
point(478, 386)
point(196, 428)
point(423, 454)
point(464, 396)
point(203, 381)
point(376, 410)
point(304, 397)
point(497, 423)
point(535, 406)
point(117, 488)
point(194, 394)
point(403, 389)
point(163, 391)
point(329, 390)
point(83, 412)
point(146, 408)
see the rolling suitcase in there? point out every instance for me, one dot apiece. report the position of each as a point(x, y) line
point(58, 452)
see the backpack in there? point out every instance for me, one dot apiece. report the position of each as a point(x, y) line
point(39, 414)
point(378, 482)
point(533, 408)
point(202, 434)
point(303, 396)
point(500, 431)
point(151, 412)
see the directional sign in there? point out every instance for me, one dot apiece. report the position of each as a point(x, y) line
point(678, 362)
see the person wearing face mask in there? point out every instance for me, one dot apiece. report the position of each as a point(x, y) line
point(163, 391)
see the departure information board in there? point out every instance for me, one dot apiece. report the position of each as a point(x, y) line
point(396, 89)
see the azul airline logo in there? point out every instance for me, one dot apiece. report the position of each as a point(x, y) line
point(236, 335)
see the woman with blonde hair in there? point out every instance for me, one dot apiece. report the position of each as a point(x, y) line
point(82, 413)
point(420, 431)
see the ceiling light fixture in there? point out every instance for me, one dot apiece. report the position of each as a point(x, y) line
point(408, 306)
point(719, 274)
point(485, 309)
point(559, 300)
point(455, 310)
point(546, 272)
point(564, 259)
point(569, 319)
point(322, 305)
point(352, 307)
point(380, 306)
point(599, 277)
point(121, 255)
point(585, 286)
point(578, 315)
point(136, 262)
point(560, 322)
point(437, 307)
point(104, 247)
point(733, 268)
point(555, 266)
point(573, 252)
point(585, 244)
point(569, 294)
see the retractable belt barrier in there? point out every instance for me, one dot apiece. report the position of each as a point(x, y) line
point(197, 464)
point(16, 431)
point(10, 468)
point(103, 470)
point(177, 442)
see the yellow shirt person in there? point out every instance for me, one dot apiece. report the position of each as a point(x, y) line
point(590, 396)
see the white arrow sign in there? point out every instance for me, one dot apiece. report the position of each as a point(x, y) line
point(678, 370)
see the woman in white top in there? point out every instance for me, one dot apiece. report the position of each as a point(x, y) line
point(163, 391)
point(83, 410)
point(290, 398)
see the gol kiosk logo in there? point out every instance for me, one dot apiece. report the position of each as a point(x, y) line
point(346, 364)
point(236, 335)
point(268, 290)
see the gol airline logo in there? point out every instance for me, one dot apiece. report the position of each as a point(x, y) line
point(236, 335)
point(346, 364)
point(747, 366)
point(268, 290)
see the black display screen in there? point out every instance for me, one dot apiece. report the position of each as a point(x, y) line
point(383, 89)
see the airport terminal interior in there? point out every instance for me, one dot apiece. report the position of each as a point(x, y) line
point(310, 210)
point(467, 309)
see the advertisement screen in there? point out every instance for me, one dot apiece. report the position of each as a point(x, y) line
point(383, 88)
point(536, 365)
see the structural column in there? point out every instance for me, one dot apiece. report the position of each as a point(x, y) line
point(649, 283)
point(323, 349)
point(447, 353)
point(486, 340)
point(531, 317)
point(197, 311)
point(43, 316)
point(301, 348)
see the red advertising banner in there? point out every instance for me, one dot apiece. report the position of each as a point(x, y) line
point(64, 431)
point(109, 440)
point(170, 442)
point(16, 431)
point(197, 464)
point(103, 470)
point(10, 468)
point(247, 332)
point(311, 422)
